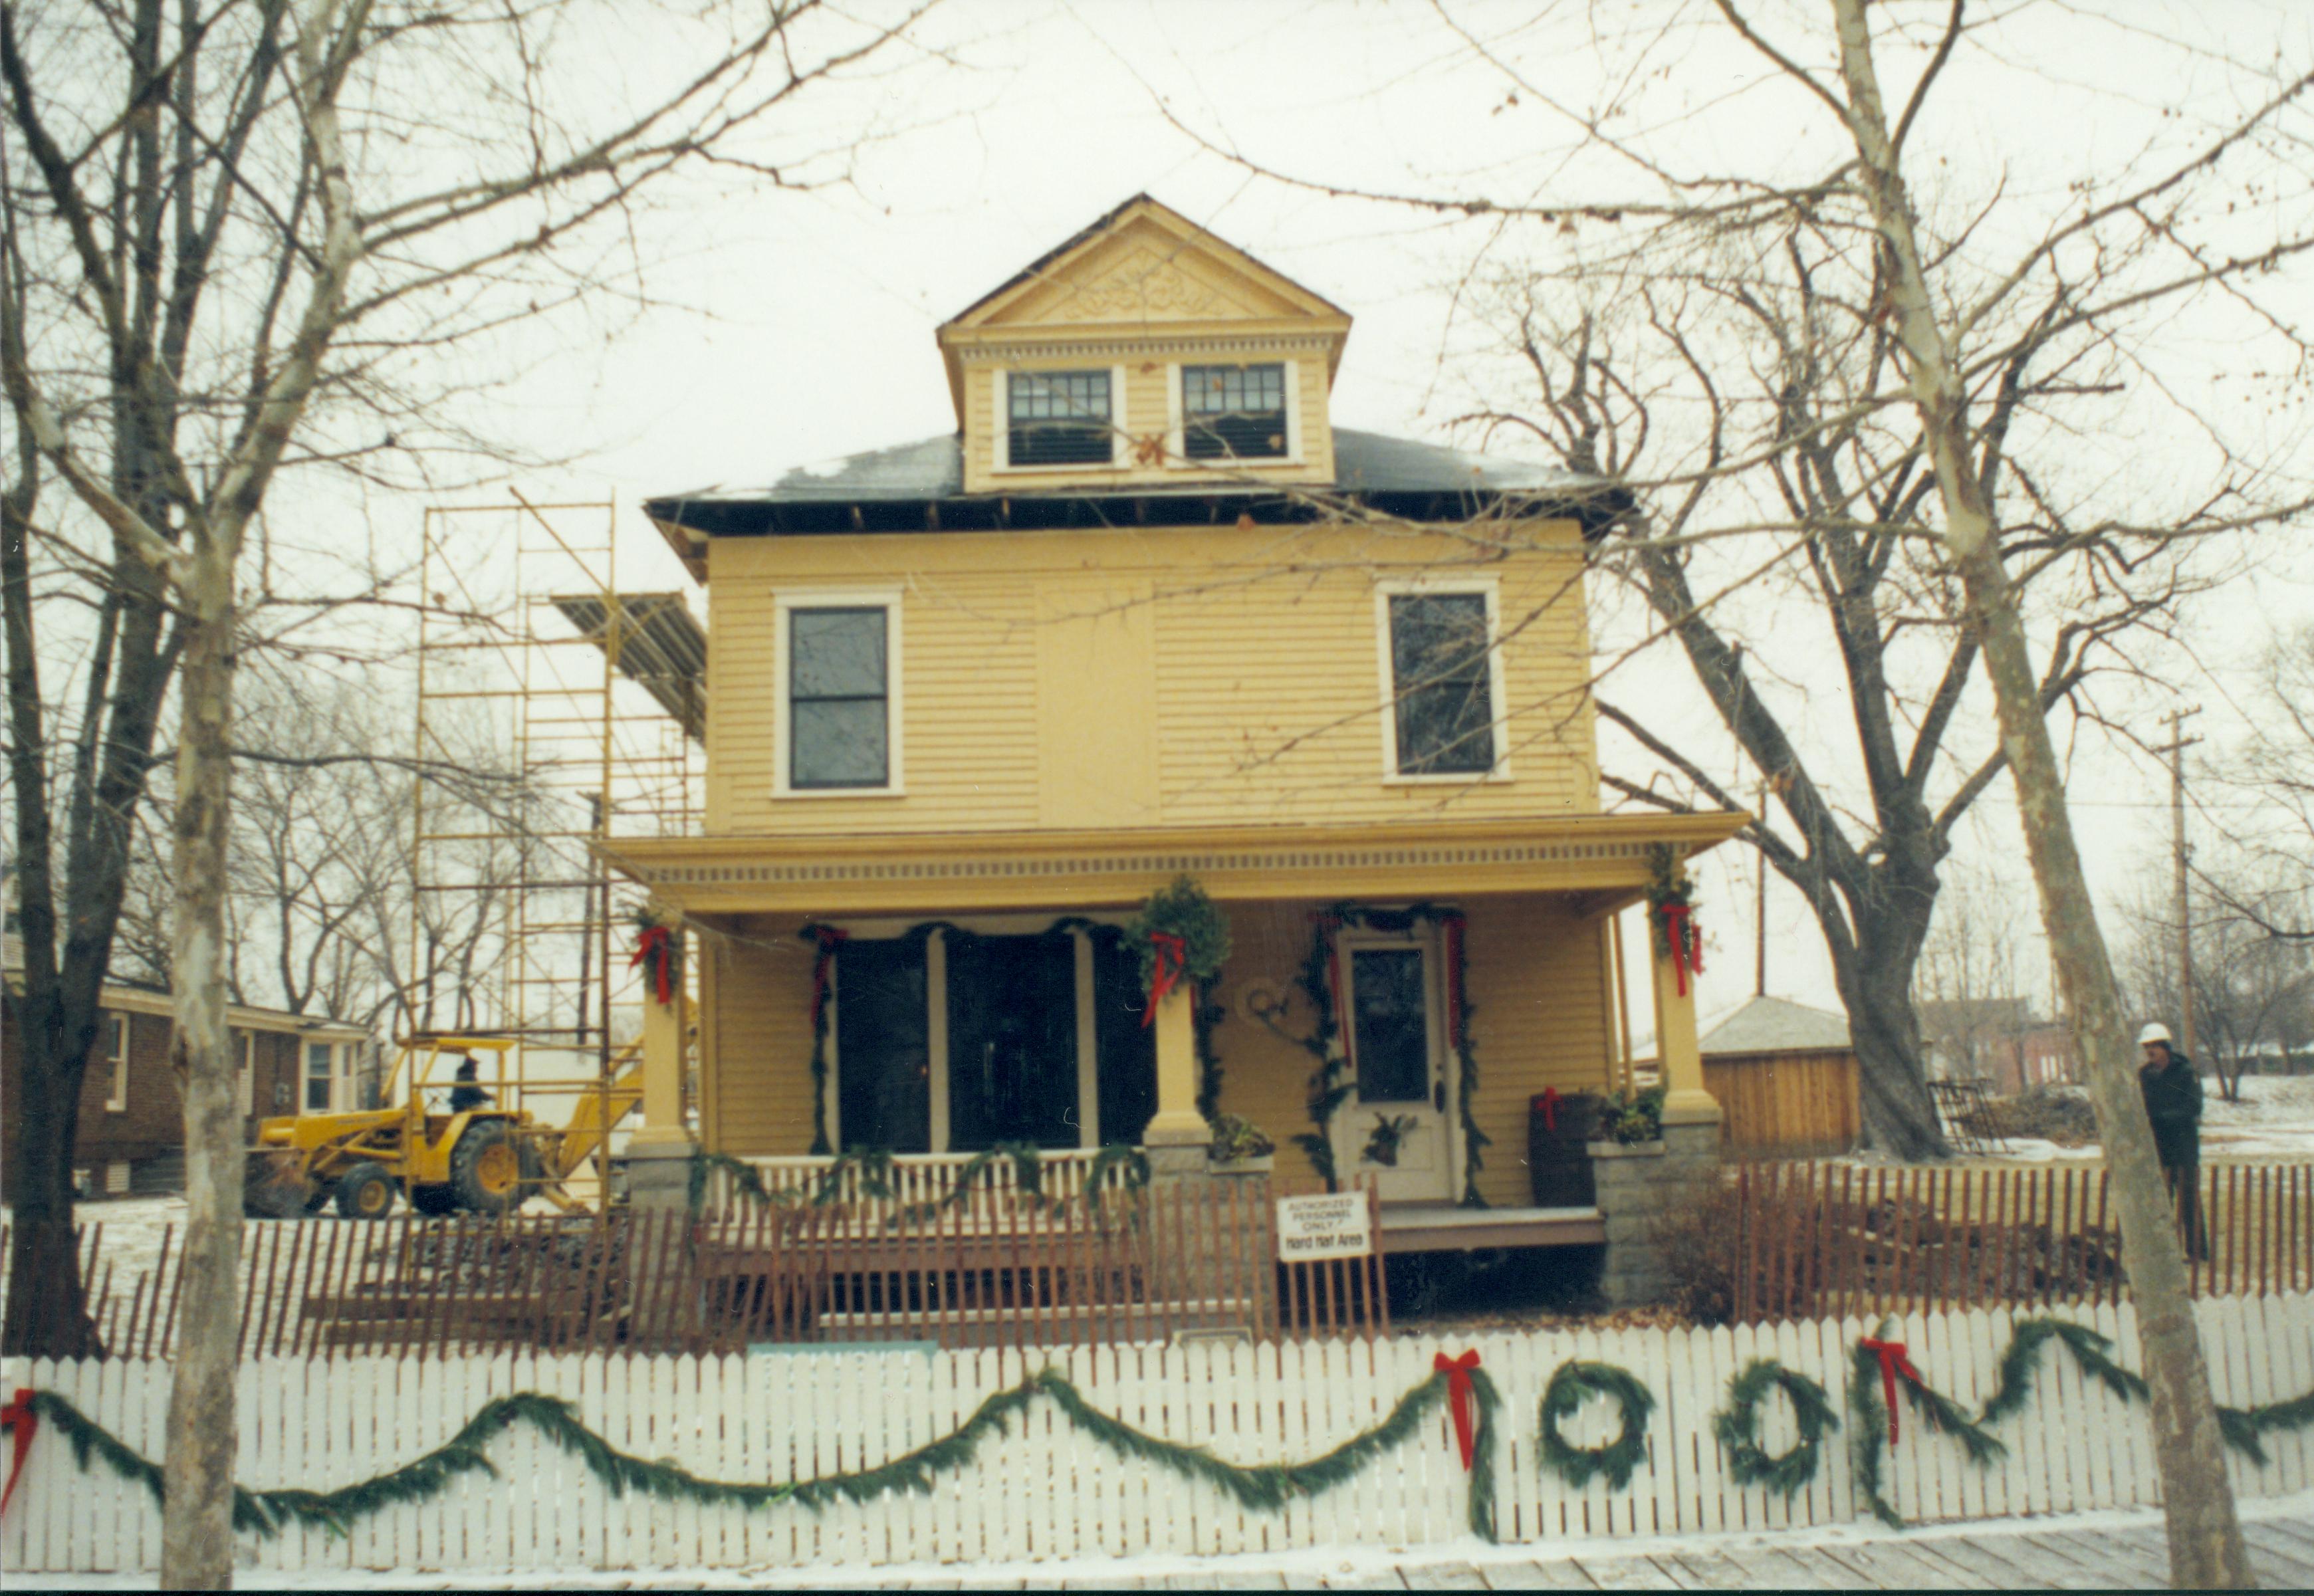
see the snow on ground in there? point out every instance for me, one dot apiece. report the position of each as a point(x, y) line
point(1620, 1562)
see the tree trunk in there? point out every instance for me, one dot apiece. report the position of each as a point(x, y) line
point(196, 1512)
point(1876, 988)
point(48, 1302)
point(2205, 1541)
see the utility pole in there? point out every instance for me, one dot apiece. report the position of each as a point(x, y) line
point(2176, 749)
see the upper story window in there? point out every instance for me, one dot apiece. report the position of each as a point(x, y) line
point(841, 661)
point(116, 1052)
point(1233, 412)
point(1443, 685)
point(1059, 417)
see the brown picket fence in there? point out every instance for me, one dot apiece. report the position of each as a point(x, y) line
point(1806, 1240)
point(996, 1267)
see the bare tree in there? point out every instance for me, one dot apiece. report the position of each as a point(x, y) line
point(1969, 986)
point(1989, 306)
point(239, 238)
point(2252, 991)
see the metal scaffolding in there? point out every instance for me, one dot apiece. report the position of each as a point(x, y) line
point(580, 710)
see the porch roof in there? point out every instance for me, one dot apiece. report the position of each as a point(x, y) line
point(1603, 857)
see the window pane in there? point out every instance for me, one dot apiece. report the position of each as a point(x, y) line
point(1058, 418)
point(1393, 1024)
point(1443, 685)
point(838, 743)
point(836, 653)
point(883, 1063)
point(1234, 411)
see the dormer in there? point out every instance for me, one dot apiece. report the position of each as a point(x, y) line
point(1144, 351)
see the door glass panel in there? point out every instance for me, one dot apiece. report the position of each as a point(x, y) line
point(883, 1063)
point(1393, 1024)
point(1127, 1048)
point(1011, 1041)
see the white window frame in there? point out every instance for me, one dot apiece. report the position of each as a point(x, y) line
point(1177, 425)
point(886, 599)
point(248, 1073)
point(1499, 722)
point(117, 1038)
point(1001, 444)
point(305, 1076)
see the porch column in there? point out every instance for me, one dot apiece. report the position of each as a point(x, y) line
point(659, 1155)
point(1176, 1121)
point(1685, 1101)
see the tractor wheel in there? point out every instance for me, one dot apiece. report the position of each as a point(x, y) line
point(432, 1200)
point(486, 1168)
point(366, 1191)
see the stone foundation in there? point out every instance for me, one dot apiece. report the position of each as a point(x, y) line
point(1637, 1185)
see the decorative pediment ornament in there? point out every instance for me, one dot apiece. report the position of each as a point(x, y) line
point(1145, 284)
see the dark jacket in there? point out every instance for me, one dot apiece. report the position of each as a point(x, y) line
point(2173, 1102)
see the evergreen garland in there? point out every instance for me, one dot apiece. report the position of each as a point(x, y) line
point(1264, 1486)
point(1573, 1383)
point(876, 1166)
point(1738, 1425)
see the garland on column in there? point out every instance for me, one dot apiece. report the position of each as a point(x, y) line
point(1573, 1384)
point(1334, 1047)
point(659, 954)
point(1267, 1487)
point(1182, 937)
point(1671, 914)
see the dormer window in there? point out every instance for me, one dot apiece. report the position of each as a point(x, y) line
point(1059, 417)
point(1233, 412)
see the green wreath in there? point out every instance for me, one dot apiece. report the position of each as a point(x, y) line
point(1181, 910)
point(1572, 1384)
point(1738, 1427)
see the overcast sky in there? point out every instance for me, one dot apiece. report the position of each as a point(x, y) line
point(797, 327)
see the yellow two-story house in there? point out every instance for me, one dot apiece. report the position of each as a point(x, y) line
point(1148, 613)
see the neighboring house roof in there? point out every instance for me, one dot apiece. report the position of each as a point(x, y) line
point(1773, 1025)
point(137, 999)
point(920, 486)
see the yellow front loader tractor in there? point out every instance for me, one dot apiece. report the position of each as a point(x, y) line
point(449, 1146)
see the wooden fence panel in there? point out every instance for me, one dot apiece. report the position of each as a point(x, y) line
point(1046, 1491)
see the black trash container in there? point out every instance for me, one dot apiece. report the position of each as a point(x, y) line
point(1559, 1126)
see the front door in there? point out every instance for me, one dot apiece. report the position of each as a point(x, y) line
point(1011, 1042)
point(1395, 1127)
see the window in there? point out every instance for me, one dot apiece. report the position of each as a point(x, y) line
point(116, 1052)
point(1058, 418)
point(1233, 412)
point(319, 1059)
point(839, 698)
point(1441, 684)
point(248, 1072)
point(1390, 1000)
point(883, 1062)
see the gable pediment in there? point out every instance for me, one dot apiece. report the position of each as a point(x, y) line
point(1141, 264)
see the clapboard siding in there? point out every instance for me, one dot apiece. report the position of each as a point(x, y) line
point(1268, 690)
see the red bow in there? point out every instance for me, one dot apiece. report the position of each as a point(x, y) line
point(1172, 954)
point(1893, 1363)
point(1686, 940)
point(828, 936)
point(22, 1417)
point(1548, 1103)
point(1457, 1372)
point(656, 945)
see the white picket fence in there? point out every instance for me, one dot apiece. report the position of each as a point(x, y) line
point(1046, 1491)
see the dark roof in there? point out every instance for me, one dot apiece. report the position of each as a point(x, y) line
point(913, 486)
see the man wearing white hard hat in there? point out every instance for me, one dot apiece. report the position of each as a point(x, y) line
point(2173, 1102)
